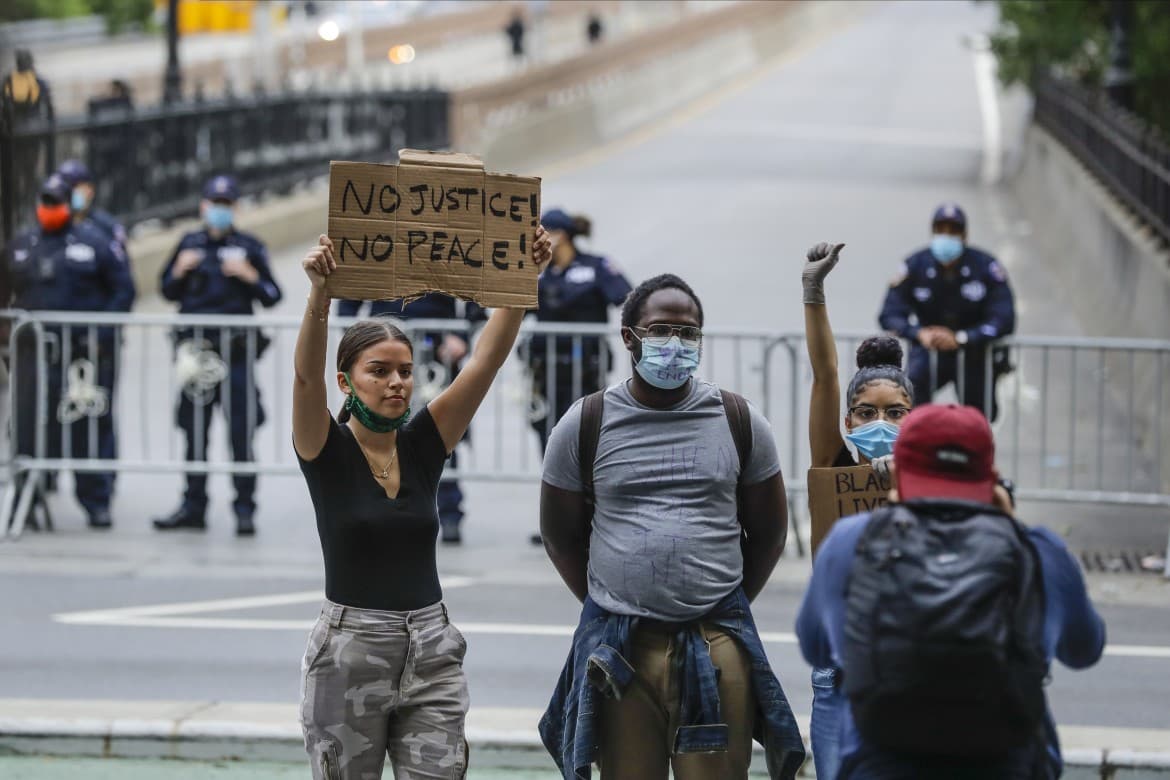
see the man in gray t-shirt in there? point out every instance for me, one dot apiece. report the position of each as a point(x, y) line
point(676, 529)
point(666, 534)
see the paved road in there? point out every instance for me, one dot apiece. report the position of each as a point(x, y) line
point(853, 139)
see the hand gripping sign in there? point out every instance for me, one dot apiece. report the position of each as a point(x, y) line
point(436, 222)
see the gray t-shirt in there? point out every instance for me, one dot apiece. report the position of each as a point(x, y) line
point(665, 540)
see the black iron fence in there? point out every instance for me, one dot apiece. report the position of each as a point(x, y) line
point(151, 164)
point(1125, 152)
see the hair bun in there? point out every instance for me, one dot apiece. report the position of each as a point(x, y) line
point(879, 351)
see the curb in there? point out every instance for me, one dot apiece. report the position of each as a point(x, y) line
point(227, 740)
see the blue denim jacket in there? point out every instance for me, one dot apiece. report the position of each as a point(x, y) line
point(597, 665)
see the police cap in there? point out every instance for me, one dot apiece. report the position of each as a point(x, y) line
point(556, 219)
point(56, 188)
point(221, 188)
point(951, 213)
point(75, 172)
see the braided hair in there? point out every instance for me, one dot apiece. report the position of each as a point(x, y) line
point(879, 358)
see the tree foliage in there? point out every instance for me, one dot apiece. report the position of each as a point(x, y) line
point(118, 13)
point(1073, 37)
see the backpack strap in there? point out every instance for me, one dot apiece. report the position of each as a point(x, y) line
point(739, 419)
point(587, 437)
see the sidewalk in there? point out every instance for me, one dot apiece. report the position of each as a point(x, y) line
point(51, 768)
point(137, 738)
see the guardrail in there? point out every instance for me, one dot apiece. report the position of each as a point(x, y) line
point(37, 34)
point(152, 164)
point(1081, 420)
point(1130, 156)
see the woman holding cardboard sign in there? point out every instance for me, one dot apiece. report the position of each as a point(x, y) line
point(383, 673)
point(879, 399)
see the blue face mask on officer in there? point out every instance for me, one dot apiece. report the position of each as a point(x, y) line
point(79, 199)
point(875, 439)
point(218, 216)
point(946, 248)
point(667, 363)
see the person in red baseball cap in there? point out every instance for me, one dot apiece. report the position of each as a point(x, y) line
point(946, 452)
point(955, 612)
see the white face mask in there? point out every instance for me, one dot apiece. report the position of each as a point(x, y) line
point(667, 366)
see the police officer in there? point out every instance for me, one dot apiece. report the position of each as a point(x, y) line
point(575, 287)
point(220, 270)
point(437, 359)
point(62, 265)
point(954, 299)
point(82, 201)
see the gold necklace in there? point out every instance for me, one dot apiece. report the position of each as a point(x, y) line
point(384, 473)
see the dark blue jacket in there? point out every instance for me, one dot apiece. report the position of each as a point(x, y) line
point(75, 269)
point(108, 225)
point(972, 295)
point(1073, 633)
point(432, 306)
point(582, 292)
point(206, 290)
point(597, 666)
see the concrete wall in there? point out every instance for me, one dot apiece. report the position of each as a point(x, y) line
point(1115, 273)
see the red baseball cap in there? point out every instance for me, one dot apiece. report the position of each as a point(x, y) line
point(945, 452)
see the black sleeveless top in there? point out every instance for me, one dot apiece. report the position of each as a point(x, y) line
point(845, 459)
point(379, 551)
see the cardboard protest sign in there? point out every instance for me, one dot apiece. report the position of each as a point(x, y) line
point(839, 492)
point(436, 222)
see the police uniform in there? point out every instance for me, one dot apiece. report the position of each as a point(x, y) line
point(973, 298)
point(582, 291)
point(206, 289)
point(432, 306)
point(75, 268)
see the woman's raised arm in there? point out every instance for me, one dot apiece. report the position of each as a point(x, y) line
point(824, 412)
point(309, 399)
point(453, 408)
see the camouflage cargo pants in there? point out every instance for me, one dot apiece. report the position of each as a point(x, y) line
point(385, 683)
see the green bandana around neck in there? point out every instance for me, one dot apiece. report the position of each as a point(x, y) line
point(368, 417)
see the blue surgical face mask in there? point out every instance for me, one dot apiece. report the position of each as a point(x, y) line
point(875, 439)
point(79, 201)
point(946, 249)
point(668, 366)
point(218, 216)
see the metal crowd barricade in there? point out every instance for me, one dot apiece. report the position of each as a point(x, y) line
point(1081, 420)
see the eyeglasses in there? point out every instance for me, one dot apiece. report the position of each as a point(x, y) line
point(659, 333)
point(869, 413)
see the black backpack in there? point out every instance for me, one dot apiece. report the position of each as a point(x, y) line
point(944, 632)
point(734, 407)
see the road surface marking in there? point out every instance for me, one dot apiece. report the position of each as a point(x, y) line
point(172, 616)
point(160, 614)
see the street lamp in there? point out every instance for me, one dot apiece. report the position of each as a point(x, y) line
point(1119, 75)
point(173, 81)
